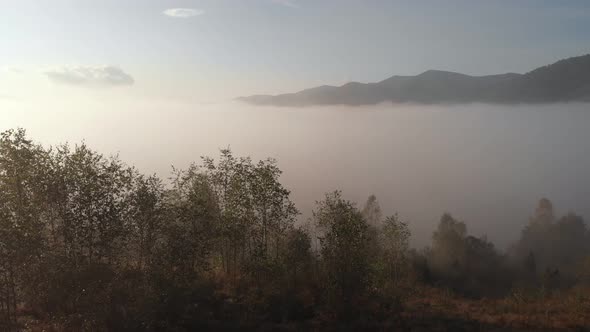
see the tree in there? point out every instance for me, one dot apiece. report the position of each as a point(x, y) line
point(89, 204)
point(556, 243)
point(544, 212)
point(372, 212)
point(21, 227)
point(193, 222)
point(145, 219)
point(255, 210)
point(583, 271)
point(448, 246)
point(467, 264)
point(298, 253)
point(395, 236)
point(570, 241)
point(344, 246)
point(530, 264)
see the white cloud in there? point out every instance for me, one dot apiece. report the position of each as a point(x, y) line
point(89, 76)
point(13, 69)
point(8, 97)
point(183, 12)
point(286, 3)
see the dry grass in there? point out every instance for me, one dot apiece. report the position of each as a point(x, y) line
point(434, 309)
point(521, 311)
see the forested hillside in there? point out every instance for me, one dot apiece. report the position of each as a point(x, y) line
point(567, 80)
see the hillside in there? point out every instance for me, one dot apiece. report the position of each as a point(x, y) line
point(564, 81)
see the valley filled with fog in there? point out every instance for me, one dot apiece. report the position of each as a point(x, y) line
point(487, 165)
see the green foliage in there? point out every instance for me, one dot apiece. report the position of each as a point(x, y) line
point(21, 229)
point(75, 226)
point(89, 204)
point(145, 219)
point(255, 210)
point(344, 247)
point(395, 237)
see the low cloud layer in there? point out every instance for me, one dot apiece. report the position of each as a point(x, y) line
point(183, 12)
point(90, 76)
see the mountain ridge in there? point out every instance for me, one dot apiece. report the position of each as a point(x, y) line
point(563, 81)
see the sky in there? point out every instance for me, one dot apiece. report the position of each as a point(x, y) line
point(151, 80)
point(198, 52)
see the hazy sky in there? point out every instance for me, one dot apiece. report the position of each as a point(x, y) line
point(118, 51)
point(150, 79)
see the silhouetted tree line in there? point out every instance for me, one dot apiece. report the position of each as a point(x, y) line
point(88, 243)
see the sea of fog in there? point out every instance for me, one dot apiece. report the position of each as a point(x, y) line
point(487, 165)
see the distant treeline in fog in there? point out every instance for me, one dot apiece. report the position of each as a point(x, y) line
point(88, 243)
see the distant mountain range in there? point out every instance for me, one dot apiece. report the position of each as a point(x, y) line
point(564, 81)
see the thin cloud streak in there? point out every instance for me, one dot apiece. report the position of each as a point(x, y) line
point(183, 12)
point(89, 76)
point(286, 3)
point(8, 97)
